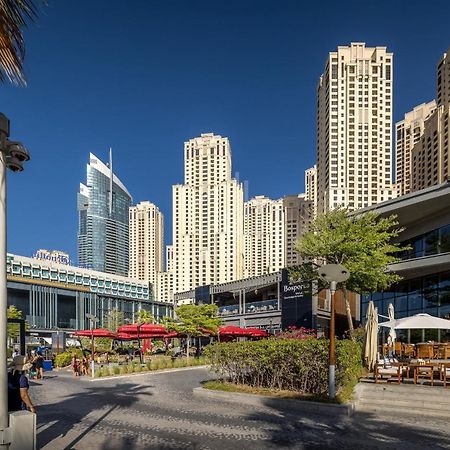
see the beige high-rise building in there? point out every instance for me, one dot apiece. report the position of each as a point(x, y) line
point(146, 242)
point(407, 133)
point(354, 121)
point(298, 213)
point(208, 243)
point(311, 187)
point(164, 285)
point(430, 155)
point(443, 80)
point(263, 236)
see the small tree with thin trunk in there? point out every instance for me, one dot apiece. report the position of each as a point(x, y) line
point(362, 243)
point(144, 316)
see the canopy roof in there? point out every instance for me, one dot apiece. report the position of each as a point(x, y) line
point(418, 321)
point(97, 332)
point(232, 330)
point(142, 329)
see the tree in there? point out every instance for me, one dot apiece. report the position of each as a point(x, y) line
point(192, 320)
point(362, 243)
point(13, 328)
point(114, 319)
point(144, 316)
point(14, 15)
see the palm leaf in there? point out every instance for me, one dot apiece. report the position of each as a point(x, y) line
point(14, 15)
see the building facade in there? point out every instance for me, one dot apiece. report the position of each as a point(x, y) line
point(354, 121)
point(55, 296)
point(407, 134)
point(298, 214)
point(103, 204)
point(264, 236)
point(146, 242)
point(425, 267)
point(443, 79)
point(311, 188)
point(208, 243)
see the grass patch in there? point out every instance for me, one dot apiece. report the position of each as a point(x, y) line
point(226, 386)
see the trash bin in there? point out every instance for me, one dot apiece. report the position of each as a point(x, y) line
point(47, 365)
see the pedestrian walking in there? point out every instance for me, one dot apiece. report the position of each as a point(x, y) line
point(39, 366)
point(18, 386)
point(75, 366)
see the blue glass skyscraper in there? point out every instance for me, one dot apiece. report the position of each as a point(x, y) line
point(103, 204)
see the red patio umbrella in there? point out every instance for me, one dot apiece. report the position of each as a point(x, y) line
point(135, 328)
point(257, 332)
point(97, 332)
point(234, 331)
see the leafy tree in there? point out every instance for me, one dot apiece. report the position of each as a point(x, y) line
point(192, 320)
point(14, 15)
point(13, 328)
point(360, 242)
point(144, 316)
point(114, 319)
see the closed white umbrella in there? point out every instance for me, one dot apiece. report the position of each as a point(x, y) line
point(418, 321)
point(371, 341)
point(392, 333)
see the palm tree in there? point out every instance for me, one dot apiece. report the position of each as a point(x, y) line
point(14, 15)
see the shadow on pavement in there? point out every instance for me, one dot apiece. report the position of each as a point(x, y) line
point(314, 431)
point(73, 409)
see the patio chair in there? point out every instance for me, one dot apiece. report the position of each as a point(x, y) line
point(425, 373)
point(390, 368)
point(425, 351)
point(408, 350)
point(445, 373)
point(398, 348)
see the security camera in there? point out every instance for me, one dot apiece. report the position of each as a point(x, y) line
point(13, 163)
point(17, 150)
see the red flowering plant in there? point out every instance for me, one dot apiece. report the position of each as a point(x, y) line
point(293, 332)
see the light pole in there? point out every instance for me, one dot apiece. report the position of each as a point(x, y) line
point(92, 320)
point(332, 274)
point(12, 156)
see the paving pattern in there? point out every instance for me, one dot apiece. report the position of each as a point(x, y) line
point(159, 411)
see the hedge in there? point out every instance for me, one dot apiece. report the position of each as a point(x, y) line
point(289, 364)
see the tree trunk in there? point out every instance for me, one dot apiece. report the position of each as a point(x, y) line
point(349, 312)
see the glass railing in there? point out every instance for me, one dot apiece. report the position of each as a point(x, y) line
point(261, 307)
point(228, 310)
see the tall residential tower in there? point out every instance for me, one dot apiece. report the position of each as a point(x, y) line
point(207, 216)
point(103, 204)
point(354, 121)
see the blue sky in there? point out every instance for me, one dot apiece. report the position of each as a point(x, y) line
point(144, 76)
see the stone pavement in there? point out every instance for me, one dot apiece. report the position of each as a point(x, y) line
point(159, 411)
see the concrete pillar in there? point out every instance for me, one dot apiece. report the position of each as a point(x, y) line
point(23, 430)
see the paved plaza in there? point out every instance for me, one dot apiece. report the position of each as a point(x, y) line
point(159, 411)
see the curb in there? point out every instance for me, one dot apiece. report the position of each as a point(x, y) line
point(293, 405)
point(146, 372)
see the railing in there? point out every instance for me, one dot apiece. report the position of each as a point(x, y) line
point(230, 310)
point(261, 307)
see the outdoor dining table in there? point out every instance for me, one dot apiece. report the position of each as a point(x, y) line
point(427, 365)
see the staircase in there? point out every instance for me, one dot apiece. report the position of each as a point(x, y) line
point(390, 398)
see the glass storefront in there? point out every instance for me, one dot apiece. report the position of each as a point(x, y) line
point(429, 294)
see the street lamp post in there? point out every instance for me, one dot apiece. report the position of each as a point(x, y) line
point(92, 321)
point(332, 274)
point(12, 156)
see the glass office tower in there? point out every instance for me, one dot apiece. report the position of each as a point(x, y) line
point(103, 204)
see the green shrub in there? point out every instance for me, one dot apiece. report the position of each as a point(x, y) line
point(124, 369)
point(149, 365)
point(65, 358)
point(138, 368)
point(116, 370)
point(290, 364)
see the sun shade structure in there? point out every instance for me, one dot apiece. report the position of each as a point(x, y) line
point(418, 321)
point(234, 331)
point(145, 328)
point(257, 332)
point(97, 332)
point(371, 342)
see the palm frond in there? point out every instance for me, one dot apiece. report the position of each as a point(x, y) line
point(14, 15)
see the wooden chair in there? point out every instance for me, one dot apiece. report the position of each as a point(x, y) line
point(398, 349)
point(389, 368)
point(408, 350)
point(445, 373)
point(425, 351)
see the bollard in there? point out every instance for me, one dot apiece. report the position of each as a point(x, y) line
point(23, 430)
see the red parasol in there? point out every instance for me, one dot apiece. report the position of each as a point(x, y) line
point(257, 332)
point(97, 332)
point(234, 331)
point(145, 328)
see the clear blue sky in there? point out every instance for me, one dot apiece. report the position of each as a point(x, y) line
point(144, 76)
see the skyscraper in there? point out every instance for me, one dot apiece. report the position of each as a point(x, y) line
point(407, 133)
point(430, 155)
point(298, 213)
point(354, 120)
point(311, 188)
point(263, 236)
point(207, 216)
point(146, 242)
point(103, 204)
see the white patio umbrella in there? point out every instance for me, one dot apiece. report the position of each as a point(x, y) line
point(418, 321)
point(392, 333)
point(371, 342)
